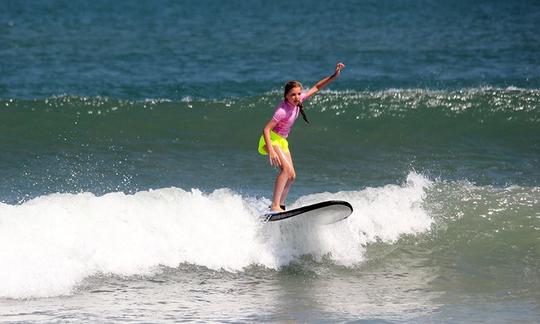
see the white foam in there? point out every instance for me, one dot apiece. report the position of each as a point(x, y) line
point(50, 244)
point(380, 214)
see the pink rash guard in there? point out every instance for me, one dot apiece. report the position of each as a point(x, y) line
point(285, 116)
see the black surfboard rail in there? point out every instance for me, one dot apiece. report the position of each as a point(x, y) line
point(271, 217)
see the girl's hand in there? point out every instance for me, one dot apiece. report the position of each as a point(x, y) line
point(274, 159)
point(321, 84)
point(339, 66)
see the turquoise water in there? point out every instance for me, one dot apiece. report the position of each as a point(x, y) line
point(362, 138)
point(130, 185)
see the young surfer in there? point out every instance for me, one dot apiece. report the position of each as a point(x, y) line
point(273, 141)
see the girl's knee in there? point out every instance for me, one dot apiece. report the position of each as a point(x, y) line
point(291, 175)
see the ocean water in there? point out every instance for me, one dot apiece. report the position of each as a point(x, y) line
point(130, 184)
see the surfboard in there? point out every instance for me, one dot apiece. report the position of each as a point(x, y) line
point(326, 212)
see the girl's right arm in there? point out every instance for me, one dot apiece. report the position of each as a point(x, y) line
point(272, 155)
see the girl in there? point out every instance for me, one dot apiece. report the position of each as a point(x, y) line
point(273, 141)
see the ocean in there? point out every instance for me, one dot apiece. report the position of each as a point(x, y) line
point(131, 186)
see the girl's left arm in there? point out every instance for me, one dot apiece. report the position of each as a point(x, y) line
point(324, 82)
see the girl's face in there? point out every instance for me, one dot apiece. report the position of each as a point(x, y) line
point(293, 96)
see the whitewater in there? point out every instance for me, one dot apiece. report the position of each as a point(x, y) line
point(50, 244)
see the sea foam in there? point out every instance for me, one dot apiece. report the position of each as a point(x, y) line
point(49, 244)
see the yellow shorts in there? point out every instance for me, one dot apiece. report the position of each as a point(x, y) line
point(276, 140)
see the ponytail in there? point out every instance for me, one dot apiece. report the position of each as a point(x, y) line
point(301, 106)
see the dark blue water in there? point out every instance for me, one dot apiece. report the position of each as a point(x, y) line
point(210, 49)
point(130, 185)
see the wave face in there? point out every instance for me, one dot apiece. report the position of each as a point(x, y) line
point(101, 145)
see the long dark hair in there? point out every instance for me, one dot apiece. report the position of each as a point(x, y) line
point(293, 84)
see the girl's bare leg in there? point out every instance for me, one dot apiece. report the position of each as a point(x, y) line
point(284, 179)
point(290, 180)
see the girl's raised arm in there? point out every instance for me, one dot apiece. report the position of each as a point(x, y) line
point(324, 82)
